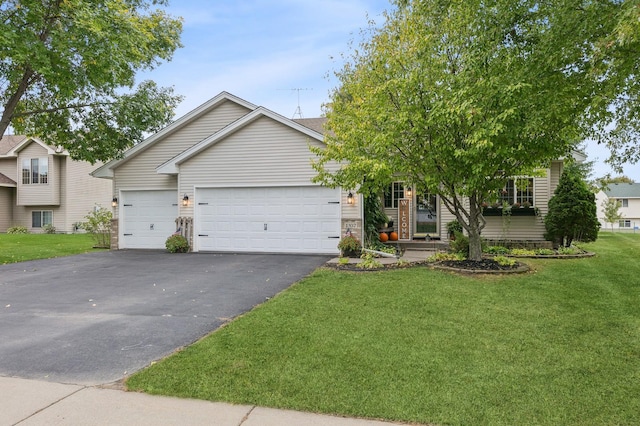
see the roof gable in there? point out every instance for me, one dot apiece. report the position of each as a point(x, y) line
point(106, 171)
point(171, 166)
point(21, 142)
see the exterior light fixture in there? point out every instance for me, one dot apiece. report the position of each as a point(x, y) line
point(408, 192)
point(350, 199)
point(114, 202)
point(185, 200)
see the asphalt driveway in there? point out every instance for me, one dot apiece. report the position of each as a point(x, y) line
point(95, 318)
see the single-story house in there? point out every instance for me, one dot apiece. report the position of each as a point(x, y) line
point(41, 185)
point(628, 196)
point(238, 176)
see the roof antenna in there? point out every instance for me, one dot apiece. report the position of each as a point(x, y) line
point(298, 111)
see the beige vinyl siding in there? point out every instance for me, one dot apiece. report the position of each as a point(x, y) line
point(523, 227)
point(82, 192)
point(351, 211)
point(529, 228)
point(60, 217)
point(6, 208)
point(8, 168)
point(75, 190)
point(445, 217)
point(554, 177)
point(140, 170)
point(38, 194)
point(22, 216)
point(264, 153)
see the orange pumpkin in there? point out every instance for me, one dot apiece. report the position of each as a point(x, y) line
point(384, 237)
point(393, 236)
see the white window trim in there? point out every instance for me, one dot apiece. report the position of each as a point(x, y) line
point(624, 223)
point(514, 199)
point(42, 222)
point(41, 160)
point(394, 200)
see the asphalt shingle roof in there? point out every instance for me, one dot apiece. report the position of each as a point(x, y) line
point(4, 180)
point(623, 190)
point(316, 124)
point(8, 142)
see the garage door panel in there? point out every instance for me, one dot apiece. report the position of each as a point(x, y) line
point(147, 218)
point(298, 219)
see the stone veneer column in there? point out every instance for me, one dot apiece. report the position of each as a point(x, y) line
point(114, 234)
point(353, 225)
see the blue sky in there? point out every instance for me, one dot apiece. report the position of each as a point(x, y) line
point(260, 50)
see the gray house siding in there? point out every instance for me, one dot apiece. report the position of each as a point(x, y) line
point(264, 153)
point(139, 171)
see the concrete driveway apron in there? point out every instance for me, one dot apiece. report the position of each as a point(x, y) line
point(95, 318)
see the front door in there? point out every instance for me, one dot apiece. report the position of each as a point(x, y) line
point(426, 215)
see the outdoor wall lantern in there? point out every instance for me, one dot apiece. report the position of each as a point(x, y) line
point(350, 199)
point(114, 202)
point(408, 192)
point(185, 200)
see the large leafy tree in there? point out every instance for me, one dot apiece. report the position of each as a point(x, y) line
point(67, 72)
point(457, 97)
point(614, 116)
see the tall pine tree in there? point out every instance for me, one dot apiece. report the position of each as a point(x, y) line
point(572, 211)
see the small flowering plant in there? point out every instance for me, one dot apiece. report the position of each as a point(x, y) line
point(350, 246)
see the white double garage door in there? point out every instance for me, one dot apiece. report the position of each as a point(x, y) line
point(301, 219)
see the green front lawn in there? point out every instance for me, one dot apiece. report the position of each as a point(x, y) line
point(21, 247)
point(560, 345)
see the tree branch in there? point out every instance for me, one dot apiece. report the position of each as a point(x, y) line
point(67, 107)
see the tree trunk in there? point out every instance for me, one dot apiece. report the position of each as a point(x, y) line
point(12, 102)
point(475, 242)
point(471, 220)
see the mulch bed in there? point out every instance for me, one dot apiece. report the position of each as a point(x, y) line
point(481, 265)
point(484, 266)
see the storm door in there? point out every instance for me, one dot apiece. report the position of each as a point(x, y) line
point(426, 215)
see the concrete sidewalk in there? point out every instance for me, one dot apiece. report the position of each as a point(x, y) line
point(29, 402)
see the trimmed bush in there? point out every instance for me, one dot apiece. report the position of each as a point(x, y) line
point(49, 229)
point(460, 244)
point(177, 244)
point(17, 230)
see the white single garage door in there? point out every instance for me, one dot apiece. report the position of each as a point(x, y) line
point(271, 220)
point(147, 218)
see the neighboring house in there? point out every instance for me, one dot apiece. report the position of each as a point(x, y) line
point(628, 195)
point(240, 175)
point(42, 185)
